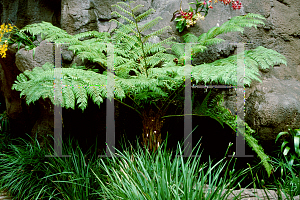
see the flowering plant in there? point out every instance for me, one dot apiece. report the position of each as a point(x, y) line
point(187, 19)
point(3, 45)
point(15, 36)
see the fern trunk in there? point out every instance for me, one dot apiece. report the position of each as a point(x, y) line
point(152, 125)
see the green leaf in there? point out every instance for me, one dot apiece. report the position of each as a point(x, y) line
point(19, 44)
point(286, 151)
point(179, 24)
point(145, 14)
point(182, 26)
point(33, 52)
point(280, 134)
point(296, 144)
point(206, 12)
point(297, 131)
point(283, 145)
point(291, 162)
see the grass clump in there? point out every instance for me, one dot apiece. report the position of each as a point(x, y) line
point(26, 173)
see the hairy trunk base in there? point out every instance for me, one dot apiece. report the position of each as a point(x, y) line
point(152, 124)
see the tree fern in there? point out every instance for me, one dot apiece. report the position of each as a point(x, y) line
point(132, 53)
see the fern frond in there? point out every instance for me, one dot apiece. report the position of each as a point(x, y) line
point(217, 111)
point(198, 49)
point(132, 40)
point(100, 35)
point(124, 4)
point(212, 41)
point(166, 41)
point(226, 28)
point(178, 49)
point(237, 23)
point(224, 71)
point(252, 142)
point(71, 41)
point(190, 38)
point(132, 53)
point(122, 70)
point(155, 33)
point(128, 28)
point(123, 10)
point(164, 57)
point(150, 24)
point(45, 28)
point(156, 59)
point(151, 48)
point(123, 17)
point(39, 83)
point(145, 14)
point(137, 7)
point(265, 57)
point(55, 36)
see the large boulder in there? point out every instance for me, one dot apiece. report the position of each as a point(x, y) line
point(24, 12)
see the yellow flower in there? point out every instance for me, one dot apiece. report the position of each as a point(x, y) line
point(10, 27)
point(3, 50)
point(3, 29)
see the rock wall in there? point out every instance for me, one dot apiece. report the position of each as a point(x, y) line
point(270, 105)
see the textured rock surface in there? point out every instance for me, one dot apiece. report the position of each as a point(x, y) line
point(253, 194)
point(23, 12)
point(25, 60)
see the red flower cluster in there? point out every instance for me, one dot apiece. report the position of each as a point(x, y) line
point(186, 15)
point(235, 4)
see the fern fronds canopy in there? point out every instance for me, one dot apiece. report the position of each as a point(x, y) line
point(235, 24)
point(224, 71)
point(38, 83)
